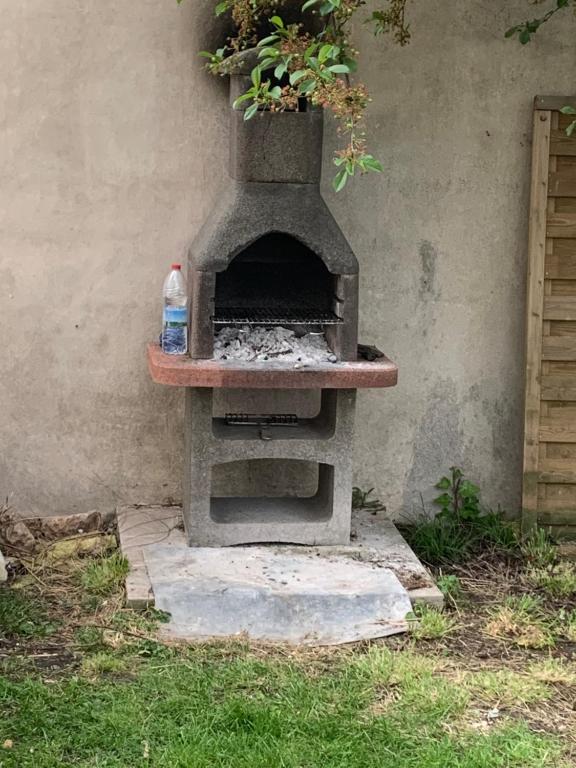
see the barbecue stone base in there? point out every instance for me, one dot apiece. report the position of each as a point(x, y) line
point(320, 519)
point(374, 540)
point(280, 597)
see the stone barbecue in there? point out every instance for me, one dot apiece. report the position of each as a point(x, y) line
point(273, 286)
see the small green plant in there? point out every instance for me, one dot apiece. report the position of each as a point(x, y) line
point(103, 663)
point(450, 586)
point(564, 623)
point(89, 638)
point(361, 500)
point(22, 614)
point(461, 527)
point(569, 627)
point(431, 623)
point(525, 604)
point(460, 499)
point(105, 575)
point(438, 541)
point(538, 549)
point(557, 580)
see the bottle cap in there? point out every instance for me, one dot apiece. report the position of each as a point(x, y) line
point(176, 266)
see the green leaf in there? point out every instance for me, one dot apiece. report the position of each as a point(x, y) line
point(340, 180)
point(443, 500)
point(251, 111)
point(324, 53)
point(221, 7)
point(469, 489)
point(267, 40)
point(267, 63)
point(307, 87)
point(297, 75)
point(277, 21)
point(280, 70)
point(242, 99)
point(307, 4)
point(371, 164)
point(256, 76)
point(310, 50)
point(339, 69)
point(511, 32)
point(351, 64)
point(444, 484)
point(568, 110)
point(524, 36)
point(276, 92)
point(571, 128)
point(272, 53)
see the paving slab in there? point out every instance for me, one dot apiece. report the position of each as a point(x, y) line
point(375, 540)
point(271, 596)
point(138, 527)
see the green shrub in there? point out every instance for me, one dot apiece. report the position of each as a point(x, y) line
point(461, 527)
point(450, 586)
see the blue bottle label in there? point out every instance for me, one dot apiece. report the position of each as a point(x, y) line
point(175, 331)
point(174, 316)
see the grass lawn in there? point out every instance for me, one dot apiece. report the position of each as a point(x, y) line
point(84, 682)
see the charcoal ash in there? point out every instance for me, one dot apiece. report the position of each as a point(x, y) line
point(276, 344)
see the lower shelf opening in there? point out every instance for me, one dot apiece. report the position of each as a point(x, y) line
point(277, 509)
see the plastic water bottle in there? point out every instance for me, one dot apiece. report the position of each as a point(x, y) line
point(174, 337)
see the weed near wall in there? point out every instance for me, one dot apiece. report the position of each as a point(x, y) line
point(461, 527)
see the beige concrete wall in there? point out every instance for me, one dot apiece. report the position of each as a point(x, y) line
point(112, 149)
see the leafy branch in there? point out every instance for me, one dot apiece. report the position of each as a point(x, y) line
point(312, 59)
point(527, 29)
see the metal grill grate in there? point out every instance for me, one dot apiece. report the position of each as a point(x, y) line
point(262, 419)
point(274, 316)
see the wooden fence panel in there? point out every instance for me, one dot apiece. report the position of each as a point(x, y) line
point(549, 489)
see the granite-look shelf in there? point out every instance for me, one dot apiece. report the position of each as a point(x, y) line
point(182, 371)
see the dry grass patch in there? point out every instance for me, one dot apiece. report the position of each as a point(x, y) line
point(521, 621)
point(558, 581)
point(505, 688)
point(554, 671)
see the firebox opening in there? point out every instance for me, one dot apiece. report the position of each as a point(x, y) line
point(276, 280)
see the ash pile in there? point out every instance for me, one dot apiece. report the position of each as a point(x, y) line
point(261, 344)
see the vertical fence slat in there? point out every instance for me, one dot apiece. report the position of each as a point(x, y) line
point(535, 305)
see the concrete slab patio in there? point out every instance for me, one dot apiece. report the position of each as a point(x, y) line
point(269, 596)
point(375, 541)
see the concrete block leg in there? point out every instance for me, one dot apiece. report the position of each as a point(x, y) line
point(197, 463)
point(323, 518)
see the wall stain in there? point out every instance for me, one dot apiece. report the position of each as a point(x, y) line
point(428, 258)
point(438, 445)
